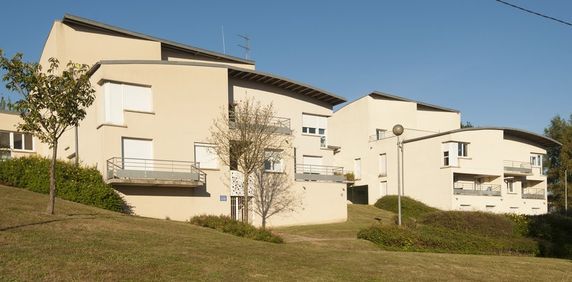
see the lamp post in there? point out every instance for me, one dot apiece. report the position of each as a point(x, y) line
point(566, 190)
point(398, 130)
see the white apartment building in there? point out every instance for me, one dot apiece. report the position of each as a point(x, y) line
point(451, 168)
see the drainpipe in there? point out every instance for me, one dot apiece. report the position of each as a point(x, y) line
point(76, 146)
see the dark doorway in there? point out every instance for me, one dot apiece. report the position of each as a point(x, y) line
point(358, 194)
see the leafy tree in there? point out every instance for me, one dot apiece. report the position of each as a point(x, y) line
point(52, 102)
point(558, 159)
point(242, 137)
point(466, 124)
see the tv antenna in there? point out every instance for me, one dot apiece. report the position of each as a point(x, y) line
point(246, 45)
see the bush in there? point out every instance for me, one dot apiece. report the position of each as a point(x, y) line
point(482, 223)
point(410, 208)
point(553, 233)
point(237, 228)
point(74, 183)
point(436, 239)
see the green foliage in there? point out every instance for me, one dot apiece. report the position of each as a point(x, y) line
point(481, 223)
point(520, 223)
point(466, 124)
point(75, 183)
point(426, 238)
point(558, 159)
point(227, 225)
point(410, 208)
point(554, 234)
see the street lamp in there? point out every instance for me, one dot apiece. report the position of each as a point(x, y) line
point(398, 130)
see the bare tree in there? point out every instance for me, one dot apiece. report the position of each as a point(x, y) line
point(242, 136)
point(272, 193)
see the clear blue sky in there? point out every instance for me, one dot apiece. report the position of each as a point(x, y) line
point(498, 65)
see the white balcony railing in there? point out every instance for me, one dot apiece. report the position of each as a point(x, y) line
point(517, 167)
point(133, 170)
point(308, 172)
point(533, 193)
point(475, 189)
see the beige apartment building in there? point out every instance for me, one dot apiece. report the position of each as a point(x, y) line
point(156, 100)
point(13, 143)
point(485, 169)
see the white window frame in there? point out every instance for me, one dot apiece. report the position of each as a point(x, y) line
point(25, 136)
point(382, 163)
point(274, 160)
point(114, 114)
point(463, 149)
point(536, 160)
point(206, 165)
point(379, 133)
point(357, 168)
point(446, 158)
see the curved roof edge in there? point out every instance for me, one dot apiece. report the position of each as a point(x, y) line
point(519, 133)
point(68, 18)
point(243, 74)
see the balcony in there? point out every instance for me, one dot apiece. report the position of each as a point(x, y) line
point(533, 193)
point(148, 172)
point(279, 125)
point(473, 189)
point(322, 173)
point(517, 167)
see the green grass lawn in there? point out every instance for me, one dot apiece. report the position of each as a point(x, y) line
point(86, 243)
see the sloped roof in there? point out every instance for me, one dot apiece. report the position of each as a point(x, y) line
point(243, 74)
point(542, 140)
point(72, 19)
point(375, 94)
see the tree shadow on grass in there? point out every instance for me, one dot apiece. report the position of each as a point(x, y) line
point(43, 222)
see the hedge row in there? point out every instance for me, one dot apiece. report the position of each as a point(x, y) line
point(83, 185)
point(227, 225)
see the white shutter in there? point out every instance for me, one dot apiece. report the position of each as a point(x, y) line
point(357, 168)
point(453, 153)
point(137, 98)
point(309, 120)
point(136, 153)
point(310, 163)
point(383, 164)
point(206, 156)
point(113, 103)
point(321, 122)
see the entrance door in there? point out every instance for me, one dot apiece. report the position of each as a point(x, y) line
point(312, 164)
point(137, 154)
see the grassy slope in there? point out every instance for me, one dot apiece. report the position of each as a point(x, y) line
point(85, 243)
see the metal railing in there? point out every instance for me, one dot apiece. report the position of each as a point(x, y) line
point(533, 193)
point(281, 124)
point(319, 173)
point(151, 169)
point(475, 189)
point(517, 167)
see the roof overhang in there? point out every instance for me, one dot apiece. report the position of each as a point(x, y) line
point(378, 94)
point(541, 140)
point(285, 84)
point(75, 20)
point(242, 74)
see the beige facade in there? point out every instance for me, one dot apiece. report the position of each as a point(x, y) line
point(14, 143)
point(156, 101)
point(484, 169)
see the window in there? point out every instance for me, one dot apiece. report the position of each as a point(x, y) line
point(16, 141)
point(206, 156)
point(379, 134)
point(462, 149)
point(312, 164)
point(382, 165)
point(446, 158)
point(315, 125)
point(273, 161)
point(510, 186)
point(323, 143)
point(5, 140)
point(119, 97)
point(536, 160)
point(357, 168)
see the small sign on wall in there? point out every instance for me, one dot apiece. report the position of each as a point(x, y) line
point(223, 198)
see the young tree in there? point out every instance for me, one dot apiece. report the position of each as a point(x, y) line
point(242, 135)
point(272, 193)
point(52, 101)
point(558, 159)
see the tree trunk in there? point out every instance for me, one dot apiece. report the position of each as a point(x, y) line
point(263, 222)
point(52, 200)
point(245, 199)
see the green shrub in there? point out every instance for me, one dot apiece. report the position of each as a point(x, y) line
point(520, 223)
point(436, 239)
point(74, 183)
point(553, 233)
point(410, 208)
point(227, 225)
point(482, 223)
